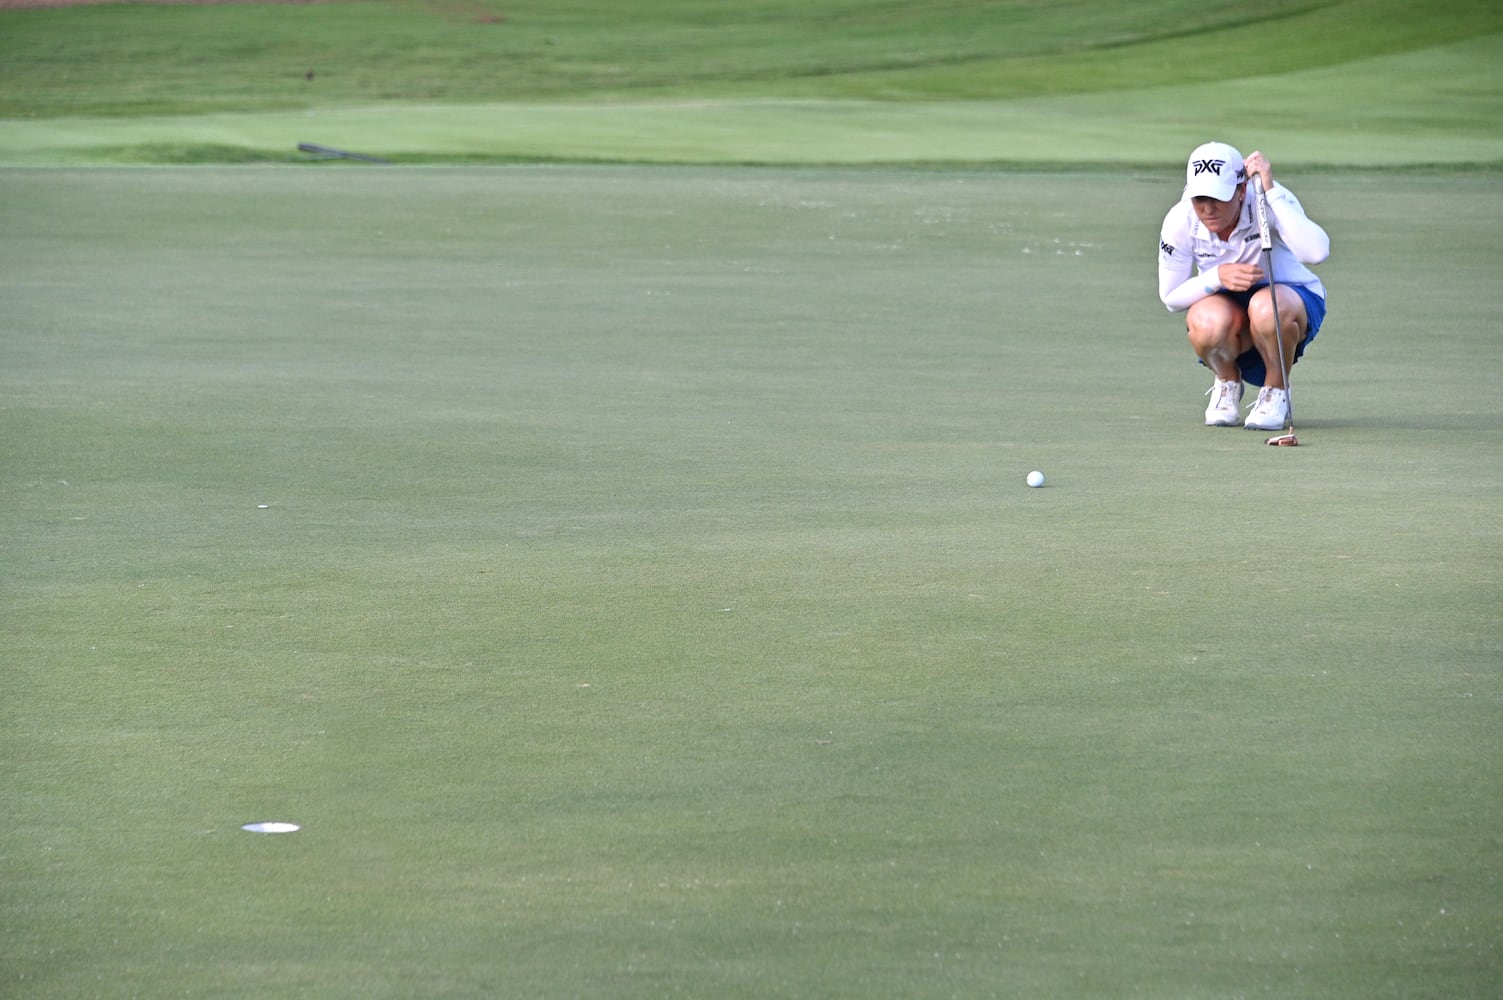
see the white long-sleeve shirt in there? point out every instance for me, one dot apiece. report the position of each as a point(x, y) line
point(1189, 253)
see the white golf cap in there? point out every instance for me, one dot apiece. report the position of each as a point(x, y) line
point(1214, 171)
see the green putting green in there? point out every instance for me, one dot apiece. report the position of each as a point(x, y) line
point(603, 532)
point(626, 578)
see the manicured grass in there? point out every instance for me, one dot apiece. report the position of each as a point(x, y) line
point(647, 601)
point(117, 59)
point(1434, 107)
point(1354, 83)
point(625, 574)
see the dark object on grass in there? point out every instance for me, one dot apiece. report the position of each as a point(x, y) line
point(329, 153)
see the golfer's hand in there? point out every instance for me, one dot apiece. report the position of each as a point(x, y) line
point(1257, 163)
point(1239, 277)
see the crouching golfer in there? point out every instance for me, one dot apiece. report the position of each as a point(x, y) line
point(1210, 267)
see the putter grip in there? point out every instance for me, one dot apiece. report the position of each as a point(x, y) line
point(1261, 203)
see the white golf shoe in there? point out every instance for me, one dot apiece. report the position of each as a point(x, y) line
point(1226, 403)
point(1270, 412)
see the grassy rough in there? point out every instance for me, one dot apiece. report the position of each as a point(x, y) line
point(119, 59)
point(133, 59)
point(1434, 107)
point(1350, 84)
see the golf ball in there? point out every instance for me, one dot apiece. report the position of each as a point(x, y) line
point(1035, 478)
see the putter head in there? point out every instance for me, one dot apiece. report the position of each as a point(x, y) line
point(1283, 440)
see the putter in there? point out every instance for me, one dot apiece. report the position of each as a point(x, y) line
point(1266, 238)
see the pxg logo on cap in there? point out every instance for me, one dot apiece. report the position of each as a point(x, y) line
point(1214, 170)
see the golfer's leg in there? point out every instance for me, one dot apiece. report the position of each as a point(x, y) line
point(1292, 317)
point(1218, 330)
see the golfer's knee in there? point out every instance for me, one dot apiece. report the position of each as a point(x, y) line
point(1260, 313)
point(1205, 334)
